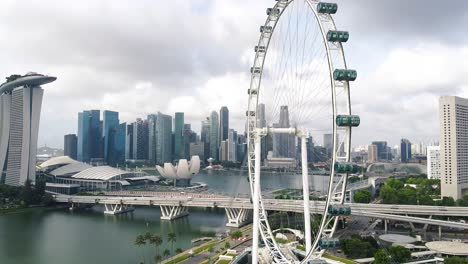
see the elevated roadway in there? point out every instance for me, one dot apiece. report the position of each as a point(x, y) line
point(404, 213)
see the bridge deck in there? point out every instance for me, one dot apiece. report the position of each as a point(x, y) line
point(381, 211)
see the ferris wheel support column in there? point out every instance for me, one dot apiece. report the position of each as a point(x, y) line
point(256, 200)
point(305, 191)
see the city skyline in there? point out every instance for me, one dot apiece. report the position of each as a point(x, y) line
point(119, 77)
point(223, 131)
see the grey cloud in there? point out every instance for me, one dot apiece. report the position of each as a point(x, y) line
point(101, 50)
point(413, 20)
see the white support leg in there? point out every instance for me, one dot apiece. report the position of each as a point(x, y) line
point(426, 225)
point(256, 201)
point(114, 209)
point(305, 191)
point(237, 217)
point(172, 212)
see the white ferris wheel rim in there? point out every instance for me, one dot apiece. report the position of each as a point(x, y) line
point(264, 228)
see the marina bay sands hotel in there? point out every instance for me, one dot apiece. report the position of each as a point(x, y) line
point(20, 109)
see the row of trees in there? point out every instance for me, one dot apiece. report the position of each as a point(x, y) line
point(456, 260)
point(156, 241)
point(394, 254)
point(423, 192)
point(358, 247)
point(26, 195)
point(362, 196)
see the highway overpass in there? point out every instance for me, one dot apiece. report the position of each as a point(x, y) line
point(175, 205)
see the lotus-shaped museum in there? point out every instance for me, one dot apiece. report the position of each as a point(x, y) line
point(183, 172)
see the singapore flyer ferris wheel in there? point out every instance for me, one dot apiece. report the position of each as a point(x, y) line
point(300, 91)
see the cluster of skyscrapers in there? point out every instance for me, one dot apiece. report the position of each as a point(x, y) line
point(158, 139)
point(404, 152)
point(281, 150)
point(446, 160)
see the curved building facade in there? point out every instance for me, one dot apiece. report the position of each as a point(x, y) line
point(182, 173)
point(20, 108)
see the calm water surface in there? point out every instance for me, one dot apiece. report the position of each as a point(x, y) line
point(89, 236)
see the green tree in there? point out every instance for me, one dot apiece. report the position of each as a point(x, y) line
point(156, 241)
point(47, 199)
point(447, 201)
point(407, 195)
point(363, 196)
point(27, 194)
point(227, 245)
point(463, 201)
point(425, 200)
point(178, 250)
point(172, 238)
point(140, 241)
point(399, 254)
point(166, 253)
point(394, 183)
point(157, 258)
point(389, 195)
point(381, 257)
point(147, 236)
point(356, 247)
point(236, 234)
point(455, 260)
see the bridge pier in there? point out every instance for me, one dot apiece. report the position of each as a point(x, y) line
point(426, 225)
point(440, 232)
point(77, 206)
point(73, 207)
point(169, 212)
point(238, 217)
point(114, 209)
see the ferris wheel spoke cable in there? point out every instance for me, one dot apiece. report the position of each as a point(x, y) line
point(301, 94)
point(277, 87)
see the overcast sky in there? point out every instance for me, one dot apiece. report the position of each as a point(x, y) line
point(143, 56)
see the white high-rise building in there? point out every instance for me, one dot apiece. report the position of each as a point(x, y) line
point(433, 162)
point(20, 109)
point(372, 154)
point(453, 113)
point(232, 145)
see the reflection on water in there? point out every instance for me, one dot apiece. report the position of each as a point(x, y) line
point(235, 182)
point(89, 236)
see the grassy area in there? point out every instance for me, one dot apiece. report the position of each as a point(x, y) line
point(197, 250)
point(282, 241)
point(346, 261)
point(223, 261)
point(203, 247)
point(185, 255)
point(179, 258)
point(300, 247)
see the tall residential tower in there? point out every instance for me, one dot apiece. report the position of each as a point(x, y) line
point(453, 113)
